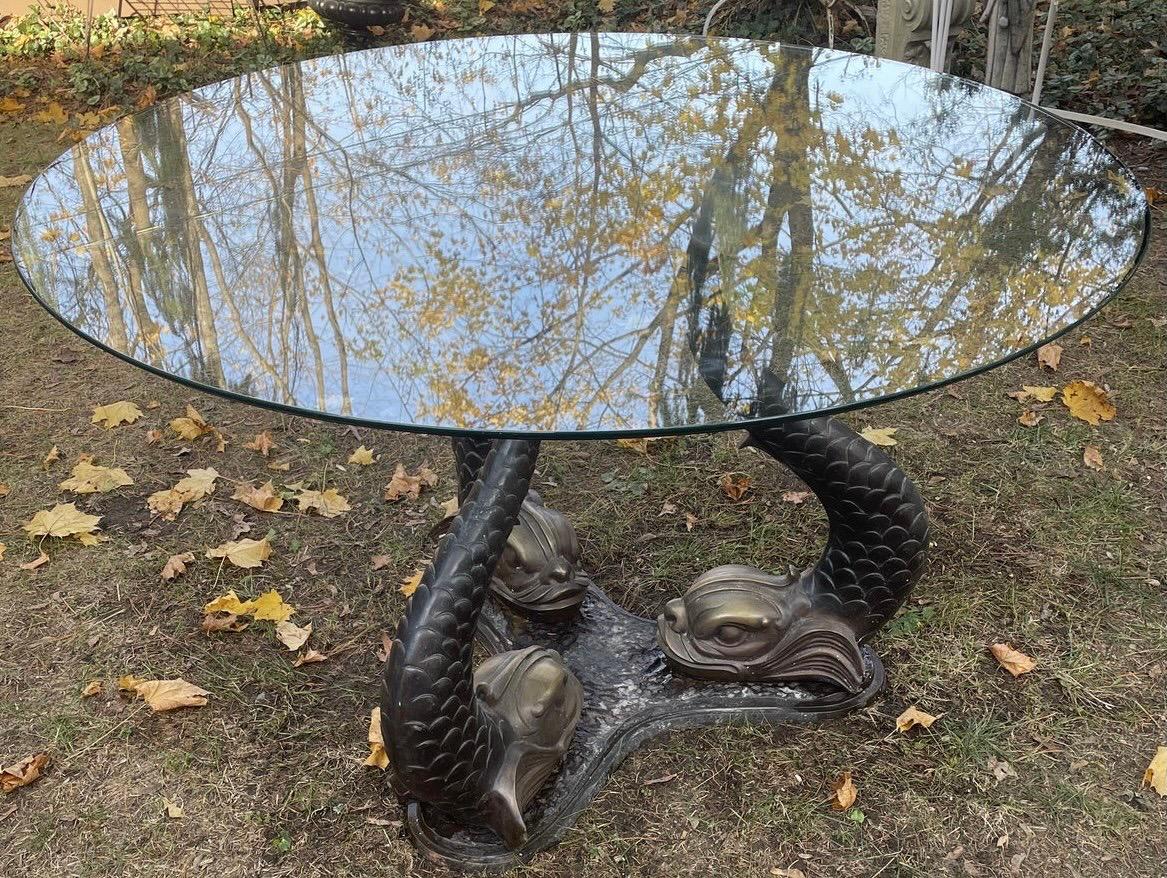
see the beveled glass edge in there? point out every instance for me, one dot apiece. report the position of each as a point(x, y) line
point(607, 433)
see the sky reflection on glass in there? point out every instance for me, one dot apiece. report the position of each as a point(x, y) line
point(579, 233)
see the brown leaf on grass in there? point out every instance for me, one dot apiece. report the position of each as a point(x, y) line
point(845, 792)
point(264, 498)
point(172, 810)
point(735, 486)
point(386, 646)
point(22, 773)
point(690, 521)
point(93, 687)
point(52, 114)
point(1092, 457)
point(292, 635)
point(884, 436)
point(262, 443)
point(115, 414)
point(147, 98)
point(198, 484)
point(419, 33)
point(88, 478)
point(1030, 418)
point(128, 683)
point(1013, 661)
point(380, 561)
point(606, 6)
point(913, 717)
point(1155, 776)
point(328, 503)
point(1049, 356)
point(4, 490)
point(409, 586)
point(641, 444)
point(795, 497)
point(361, 457)
point(279, 467)
point(1088, 402)
point(18, 180)
point(309, 657)
point(246, 553)
point(377, 757)
point(3, 549)
point(163, 695)
point(64, 520)
point(39, 561)
point(404, 485)
point(52, 457)
point(175, 565)
point(214, 623)
point(192, 425)
point(153, 437)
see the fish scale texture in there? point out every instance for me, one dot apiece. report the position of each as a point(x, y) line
point(879, 526)
point(442, 746)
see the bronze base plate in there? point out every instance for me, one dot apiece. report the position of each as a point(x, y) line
point(630, 695)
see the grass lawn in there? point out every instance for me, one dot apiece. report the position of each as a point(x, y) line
point(1038, 775)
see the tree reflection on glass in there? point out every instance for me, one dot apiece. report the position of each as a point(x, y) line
point(579, 232)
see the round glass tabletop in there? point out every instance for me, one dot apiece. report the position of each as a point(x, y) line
point(580, 234)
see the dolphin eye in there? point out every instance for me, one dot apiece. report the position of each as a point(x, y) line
point(731, 635)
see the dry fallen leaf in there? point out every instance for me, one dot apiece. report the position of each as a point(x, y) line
point(52, 457)
point(116, 413)
point(328, 503)
point(913, 717)
point(198, 484)
point(1041, 394)
point(606, 6)
point(795, 497)
point(1088, 402)
point(229, 603)
point(1049, 356)
point(93, 687)
point(53, 114)
point(271, 606)
point(309, 657)
point(845, 792)
point(262, 443)
point(419, 33)
point(380, 561)
point(884, 436)
point(292, 635)
point(192, 425)
point(377, 757)
point(90, 479)
point(450, 508)
point(3, 549)
point(409, 586)
point(734, 485)
point(24, 772)
point(404, 485)
point(246, 553)
point(1155, 776)
point(264, 498)
point(36, 562)
point(1092, 457)
point(1029, 418)
point(1016, 663)
point(153, 437)
point(4, 490)
point(171, 810)
point(18, 180)
point(128, 683)
point(64, 520)
point(642, 444)
point(164, 695)
point(361, 457)
point(176, 565)
point(223, 622)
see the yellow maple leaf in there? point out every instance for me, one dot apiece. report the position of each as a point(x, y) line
point(1155, 776)
point(263, 498)
point(164, 695)
point(879, 435)
point(292, 635)
point(63, 520)
point(1041, 394)
point(913, 717)
point(484, 6)
point(606, 6)
point(262, 443)
point(377, 757)
point(11, 105)
point(271, 606)
point(53, 113)
point(229, 603)
point(328, 503)
point(197, 485)
point(192, 426)
point(1012, 660)
point(1088, 402)
point(88, 478)
point(361, 457)
point(246, 553)
point(128, 683)
point(115, 414)
point(409, 586)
